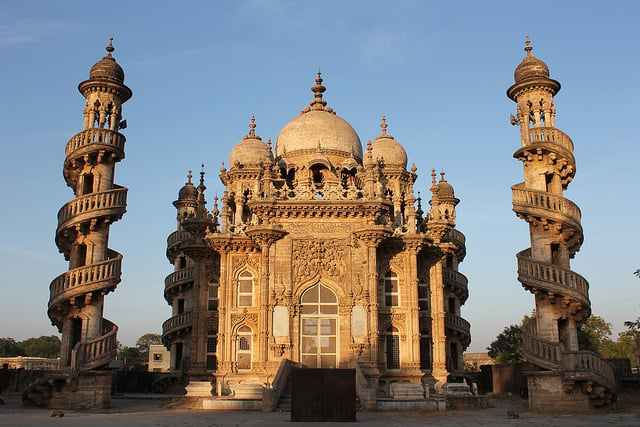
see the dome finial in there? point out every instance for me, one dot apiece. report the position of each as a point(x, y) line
point(528, 47)
point(110, 48)
point(383, 125)
point(252, 126)
point(318, 103)
point(189, 176)
point(433, 176)
point(442, 177)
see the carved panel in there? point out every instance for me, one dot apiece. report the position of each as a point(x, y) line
point(239, 318)
point(314, 257)
point(241, 262)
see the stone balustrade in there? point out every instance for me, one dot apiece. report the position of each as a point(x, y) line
point(101, 350)
point(178, 278)
point(176, 323)
point(527, 201)
point(177, 237)
point(457, 323)
point(553, 279)
point(95, 136)
point(587, 365)
point(550, 134)
point(75, 210)
point(457, 280)
point(544, 352)
point(82, 279)
point(456, 237)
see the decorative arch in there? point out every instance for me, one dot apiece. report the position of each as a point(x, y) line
point(319, 337)
point(243, 346)
point(244, 286)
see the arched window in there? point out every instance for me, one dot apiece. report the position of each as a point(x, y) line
point(319, 328)
point(243, 348)
point(212, 344)
point(391, 289)
point(245, 289)
point(392, 348)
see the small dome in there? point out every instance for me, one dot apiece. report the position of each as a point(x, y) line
point(388, 149)
point(188, 191)
point(107, 68)
point(531, 67)
point(251, 150)
point(445, 190)
point(319, 128)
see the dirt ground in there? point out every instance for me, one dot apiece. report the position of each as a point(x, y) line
point(144, 411)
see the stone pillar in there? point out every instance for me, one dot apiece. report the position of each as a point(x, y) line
point(439, 370)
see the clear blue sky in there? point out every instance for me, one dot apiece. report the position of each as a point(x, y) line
point(437, 70)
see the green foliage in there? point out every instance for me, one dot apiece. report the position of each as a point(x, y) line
point(594, 334)
point(624, 347)
point(145, 341)
point(43, 346)
point(507, 347)
point(9, 348)
point(137, 357)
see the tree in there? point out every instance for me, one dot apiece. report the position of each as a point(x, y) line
point(507, 347)
point(9, 348)
point(145, 341)
point(594, 334)
point(44, 346)
point(624, 347)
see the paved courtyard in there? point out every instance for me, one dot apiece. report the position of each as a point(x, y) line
point(140, 412)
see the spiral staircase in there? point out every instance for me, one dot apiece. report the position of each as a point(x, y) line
point(562, 296)
point(76, 297)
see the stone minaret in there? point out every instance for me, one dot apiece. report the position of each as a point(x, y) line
point(77, 296)
point(570, 377)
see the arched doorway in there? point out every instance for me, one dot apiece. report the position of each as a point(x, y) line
point(319, 328)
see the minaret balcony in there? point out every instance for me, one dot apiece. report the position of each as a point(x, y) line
point(90, 140)
point(459, 325)
point(458, 282)
point(176, 324)
point(102, 350)
point(177, 280)
point(176, 238)
point(540, 204)
point(557, 281)
point(109, 204)
point(551, 135)
point(456, 237)
point(99, 277)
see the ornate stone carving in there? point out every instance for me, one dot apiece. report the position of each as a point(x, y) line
point(318, 257)
point(236, 319)
point(243, 261)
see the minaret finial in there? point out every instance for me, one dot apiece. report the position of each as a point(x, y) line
point(110, 48)
point(433, 176)
point(528, 47)
point(318, 103)
point(383, 125)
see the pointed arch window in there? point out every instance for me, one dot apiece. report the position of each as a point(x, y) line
point(245, 289)
point(392, 348)
point(391, 289)
point(243, 347)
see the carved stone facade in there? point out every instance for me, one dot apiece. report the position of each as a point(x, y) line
point(320, 254)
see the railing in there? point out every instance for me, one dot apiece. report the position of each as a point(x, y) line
point(177, 237)
point(178, 278)
point(538, 350)
point(589, 366)
point(549, 134)
point(80, 279)
point(457, 280)
point(100, 351)
point(456, 237)
point(175, 323)
point(110, 199)
point(555, 279)
point(524, 197)
point(271, 396)
point(457, 322)
point(95, 136)
point(366, 394)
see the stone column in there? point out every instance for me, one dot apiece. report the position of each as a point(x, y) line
point(413, 323)
point(439, 370)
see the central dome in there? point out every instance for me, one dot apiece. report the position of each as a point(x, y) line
point(318, 129)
